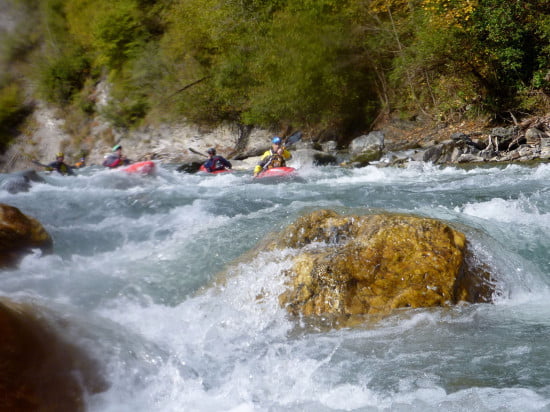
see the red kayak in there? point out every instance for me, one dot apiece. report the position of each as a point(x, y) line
point(277, 172)
point(215, 172)
point(142, 168)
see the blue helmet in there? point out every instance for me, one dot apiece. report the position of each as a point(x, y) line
point(276, 140)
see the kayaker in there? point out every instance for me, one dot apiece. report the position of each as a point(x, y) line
point(276, 156)
point(216, 163)
point(116, 158)
point(60, 166)
point(80, 163)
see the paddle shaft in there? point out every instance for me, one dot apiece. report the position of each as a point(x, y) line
point(197, 152)
point(36, 162)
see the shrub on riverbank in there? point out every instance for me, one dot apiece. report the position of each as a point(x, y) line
point(12, 112)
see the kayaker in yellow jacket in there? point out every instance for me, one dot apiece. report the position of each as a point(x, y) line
point(276, 156)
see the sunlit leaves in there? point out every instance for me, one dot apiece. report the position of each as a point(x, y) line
point(321, 63)
point(113, 31)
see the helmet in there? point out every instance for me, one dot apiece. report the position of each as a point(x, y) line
point(211, 151)
point(116, 147)
point(60, 154)
point(276, 140)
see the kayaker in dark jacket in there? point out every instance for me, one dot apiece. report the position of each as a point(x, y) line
point(216, 163)
point(60, 166)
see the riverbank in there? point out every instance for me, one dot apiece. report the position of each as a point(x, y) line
point(397, 141)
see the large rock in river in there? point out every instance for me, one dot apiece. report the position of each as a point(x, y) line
point(39, 370)
point(19, 234)
point(355, 265)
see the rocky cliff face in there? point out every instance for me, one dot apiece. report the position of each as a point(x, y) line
point(46, 135)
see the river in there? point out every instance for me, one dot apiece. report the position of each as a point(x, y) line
point(136, 262)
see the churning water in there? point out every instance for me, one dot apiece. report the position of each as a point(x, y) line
point(136, 262)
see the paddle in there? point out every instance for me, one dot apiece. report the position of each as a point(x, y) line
point(197, 152)
point(69, 171)
point(36, 162)
point(294, 138)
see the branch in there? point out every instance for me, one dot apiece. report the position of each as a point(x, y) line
point(188, 86)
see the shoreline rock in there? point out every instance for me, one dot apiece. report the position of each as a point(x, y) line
point(394, 142)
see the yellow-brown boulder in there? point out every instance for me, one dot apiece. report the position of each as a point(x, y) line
point(19, 234)
point(357, 265)
point(39, 371)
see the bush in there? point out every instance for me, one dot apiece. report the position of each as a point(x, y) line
point(12, 113)
point(61, 77)
point(125, 113)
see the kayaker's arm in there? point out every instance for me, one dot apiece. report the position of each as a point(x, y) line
point(263, 163)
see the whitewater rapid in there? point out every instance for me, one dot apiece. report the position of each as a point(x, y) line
point(153, 277)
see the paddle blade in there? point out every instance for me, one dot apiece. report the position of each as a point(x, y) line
point(294, 138)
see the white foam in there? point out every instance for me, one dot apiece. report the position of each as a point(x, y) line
point(517, 211)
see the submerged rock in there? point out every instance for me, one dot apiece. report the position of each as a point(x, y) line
point(356, 265)
point(39, 371)
point(19, 234)
point(20, 181)
point(190, 167)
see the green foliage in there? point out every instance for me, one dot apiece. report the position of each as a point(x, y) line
point(112, 32)
point(61, 77)
point(118, 36)
point(267, 63)
point(12, 112)
point(127, 112)
point(299, 75)
point(55, 25)
point(452, 54)
point(513, 45)
point(127, 104)
point(25, 36)
point(332, 64)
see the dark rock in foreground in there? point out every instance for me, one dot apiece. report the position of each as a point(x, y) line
point(39, 371)
point(19, 234)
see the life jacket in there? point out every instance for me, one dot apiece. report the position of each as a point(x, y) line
point(112, 161)
point(60, 167)
point(81, 163)
point(217, 164)
point(276, 161)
